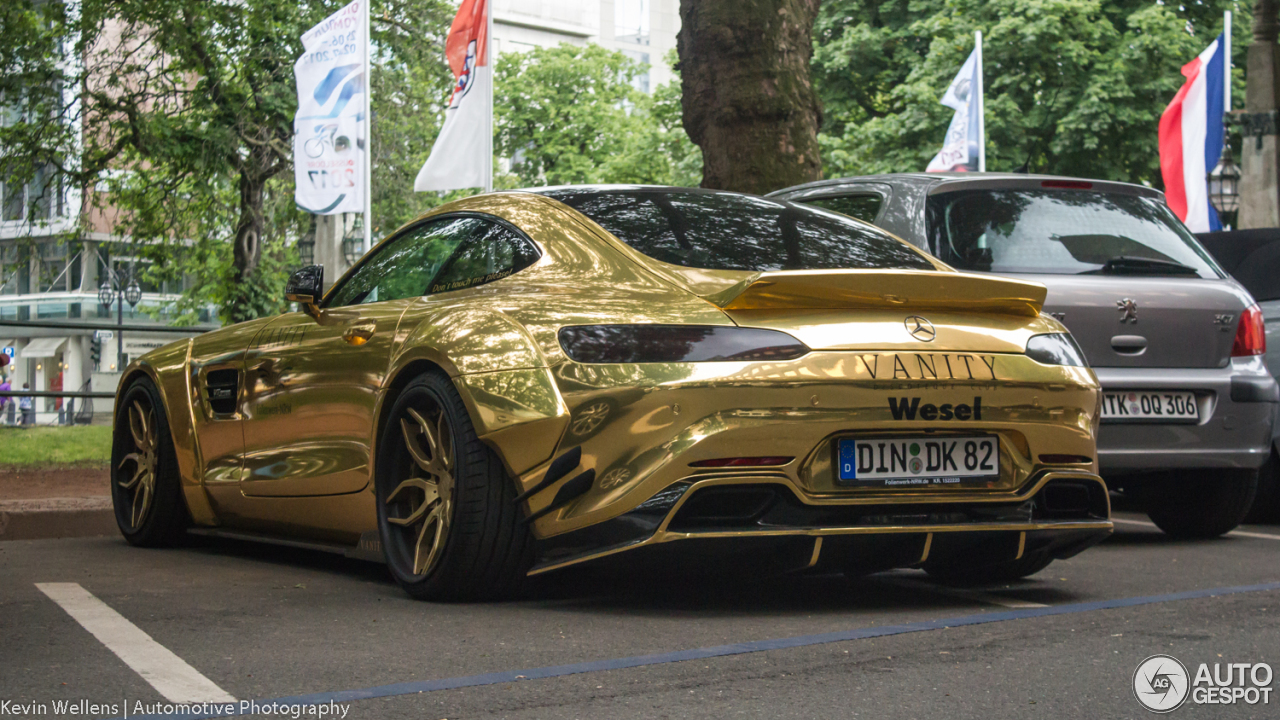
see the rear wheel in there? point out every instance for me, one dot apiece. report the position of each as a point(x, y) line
point(450, 529)
point(1204, 505)
point(977, 572)
point(146, 491)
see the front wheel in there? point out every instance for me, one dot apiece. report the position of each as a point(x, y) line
point(1205, 505)
point(146, 491)
point(450, 527)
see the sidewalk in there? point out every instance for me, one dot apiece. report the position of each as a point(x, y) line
point(47, 503)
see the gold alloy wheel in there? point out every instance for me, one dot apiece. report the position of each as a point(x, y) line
point(430, 485)
point(142, 486)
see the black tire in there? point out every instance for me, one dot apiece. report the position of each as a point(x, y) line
point(1266, 504)
point(485, 550)
point(1205, 505)
point(958, 573)
point(164, 519)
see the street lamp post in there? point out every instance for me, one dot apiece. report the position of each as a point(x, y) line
point(1224, 184)
point(111, 291)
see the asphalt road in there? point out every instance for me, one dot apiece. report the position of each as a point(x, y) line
point(261, 623)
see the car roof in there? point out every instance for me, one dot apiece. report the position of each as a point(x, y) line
point(604, 188)
point(959, 180)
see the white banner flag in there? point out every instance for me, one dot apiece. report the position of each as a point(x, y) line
point(462, 156)
point(330, 129)
point(962, 148)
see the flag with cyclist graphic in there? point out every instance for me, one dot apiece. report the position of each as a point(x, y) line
point(330, 127)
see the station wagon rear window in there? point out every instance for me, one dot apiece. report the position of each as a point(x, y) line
point(730, 231)
point(1063, 232)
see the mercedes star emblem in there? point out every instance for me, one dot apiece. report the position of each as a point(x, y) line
point(920, 328)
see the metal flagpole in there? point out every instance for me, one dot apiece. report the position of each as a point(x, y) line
point(982, 109)
point(488, 52)
point(1226, 66)
point(367, 241)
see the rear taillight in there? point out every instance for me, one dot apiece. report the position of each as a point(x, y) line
point(677, 344)
point(1251, 334)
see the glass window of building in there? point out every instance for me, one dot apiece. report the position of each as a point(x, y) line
point(631, 21)
point(641, 81)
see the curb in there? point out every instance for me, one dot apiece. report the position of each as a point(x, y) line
point(53, 518)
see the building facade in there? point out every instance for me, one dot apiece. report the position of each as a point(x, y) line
point(644, 30)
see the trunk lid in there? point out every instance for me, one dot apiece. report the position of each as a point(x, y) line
point(878, 309)
point(1128, 321)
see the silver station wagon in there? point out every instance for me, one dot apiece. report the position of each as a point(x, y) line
point(1177, 344)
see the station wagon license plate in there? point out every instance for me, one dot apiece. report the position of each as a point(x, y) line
point(917, 461)
point(1168, 406)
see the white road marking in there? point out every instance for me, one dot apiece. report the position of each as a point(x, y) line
point(172, 677)
point(1241, 533)
point(961, 593)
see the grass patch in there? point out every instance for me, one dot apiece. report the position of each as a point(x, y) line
point(82, 445)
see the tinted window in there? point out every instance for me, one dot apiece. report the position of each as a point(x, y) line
point(1062, 232)
point(863, 207)
point(491, 253)
point(728, 231)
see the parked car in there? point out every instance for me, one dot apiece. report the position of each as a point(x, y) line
point(1253, 259)
point(1177, 344)
point(518, 382)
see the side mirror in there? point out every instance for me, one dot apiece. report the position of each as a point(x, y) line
point(305, 287)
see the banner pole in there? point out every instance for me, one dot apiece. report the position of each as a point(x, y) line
point(1226, 66)
point(367, 241)
point(488, 52)
point(982, 108)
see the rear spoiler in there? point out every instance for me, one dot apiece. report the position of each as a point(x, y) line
point(882, 289)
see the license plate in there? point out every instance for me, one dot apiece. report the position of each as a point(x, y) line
point(917, 461)
point(1168, 406)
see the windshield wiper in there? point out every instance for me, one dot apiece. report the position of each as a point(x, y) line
point(1129, 265)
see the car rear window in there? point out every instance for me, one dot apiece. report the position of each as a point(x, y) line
point(1063, 232)
point(730, 231)
point(862, 207)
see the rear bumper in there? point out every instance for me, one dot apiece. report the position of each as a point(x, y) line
point(1061, 512)
point(1235, 428)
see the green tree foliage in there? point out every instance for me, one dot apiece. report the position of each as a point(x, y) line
point(570, 114)
point(184, 124)
point(1073, 87)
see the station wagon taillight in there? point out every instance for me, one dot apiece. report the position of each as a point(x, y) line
point(1251, 334)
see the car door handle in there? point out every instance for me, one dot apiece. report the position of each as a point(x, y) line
point(358, 335)
point(1129, 344)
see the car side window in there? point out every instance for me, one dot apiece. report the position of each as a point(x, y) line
point(493, 252)
point(863, 207)
point(405, 266)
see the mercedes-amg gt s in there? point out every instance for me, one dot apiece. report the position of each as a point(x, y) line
point(521, 381)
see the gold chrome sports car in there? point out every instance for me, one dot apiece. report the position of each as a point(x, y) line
point(518, 382)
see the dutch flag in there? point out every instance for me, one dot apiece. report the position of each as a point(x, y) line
point(1191, 138)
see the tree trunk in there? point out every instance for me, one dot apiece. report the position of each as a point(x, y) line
point(247, 251)
point(1260, 152)
point(748, 99)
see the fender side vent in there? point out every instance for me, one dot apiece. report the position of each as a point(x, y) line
point(222, 387)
